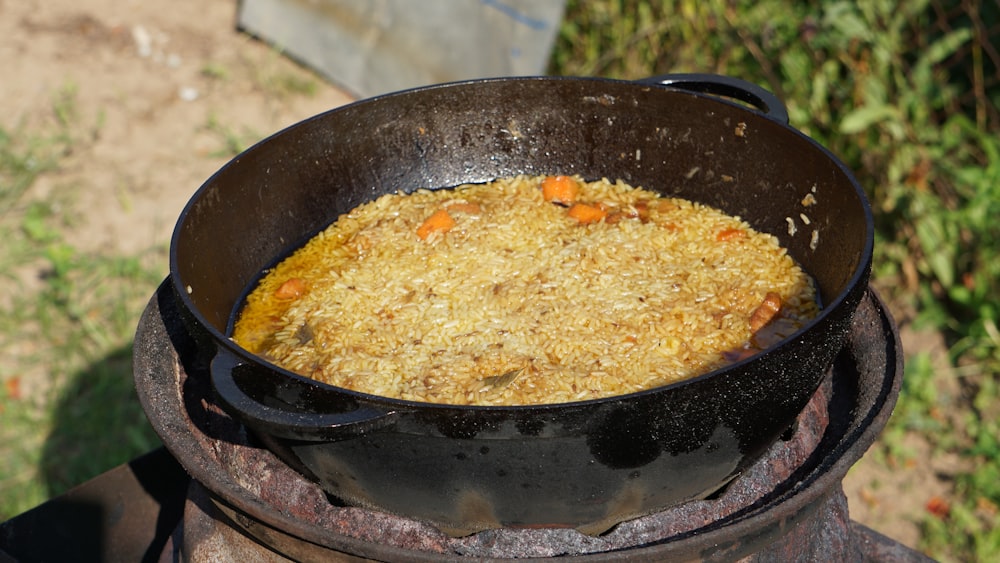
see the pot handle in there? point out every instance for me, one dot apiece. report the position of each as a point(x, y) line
point(721, 85)
point(291, 424)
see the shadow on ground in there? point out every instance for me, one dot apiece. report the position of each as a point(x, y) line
point(98, 424)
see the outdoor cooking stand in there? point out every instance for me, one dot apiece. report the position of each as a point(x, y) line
point(213, 495)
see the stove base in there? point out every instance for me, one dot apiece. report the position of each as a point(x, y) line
point(242, 504)
point(149, 510)
point(124, 515)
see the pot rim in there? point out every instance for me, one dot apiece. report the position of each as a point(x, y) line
point(224, 344)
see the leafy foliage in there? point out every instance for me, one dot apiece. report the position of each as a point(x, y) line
point(906, 94)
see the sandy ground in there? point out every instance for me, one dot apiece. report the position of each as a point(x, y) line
point(147, 80)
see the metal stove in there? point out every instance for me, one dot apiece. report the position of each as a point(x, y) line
point(213, 494)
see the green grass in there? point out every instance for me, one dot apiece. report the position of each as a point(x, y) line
point(907, 95)
point(68, 411)
point(232, 142)
point(67, 405)
point(279, 82)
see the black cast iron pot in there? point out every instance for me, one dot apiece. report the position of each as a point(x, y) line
point(588, 464)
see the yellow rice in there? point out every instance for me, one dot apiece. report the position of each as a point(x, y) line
point(519, 303)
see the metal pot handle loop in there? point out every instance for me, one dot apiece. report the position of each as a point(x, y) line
point(277, 421)
point(727, 86)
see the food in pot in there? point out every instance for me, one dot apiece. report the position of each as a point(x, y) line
point(524, 290)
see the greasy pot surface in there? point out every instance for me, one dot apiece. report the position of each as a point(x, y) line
point(468, 468)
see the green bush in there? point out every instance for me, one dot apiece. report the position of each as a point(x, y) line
point(906, 94)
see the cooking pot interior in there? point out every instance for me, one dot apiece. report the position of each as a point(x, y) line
point(273, 197)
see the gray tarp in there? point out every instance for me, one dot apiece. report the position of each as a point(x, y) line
point(370, 47)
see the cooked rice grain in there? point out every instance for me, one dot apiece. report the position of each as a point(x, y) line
point(645, 297)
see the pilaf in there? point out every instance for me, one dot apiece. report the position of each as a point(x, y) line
point(524, 290)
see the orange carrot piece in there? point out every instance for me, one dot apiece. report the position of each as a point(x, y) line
point(731, 234)
point(665, 206)
point(290, 289)
point(766, 312)
point(560, 189)
point(439, 221)
point(586, 214)
point(642, 210)
point(462, 207)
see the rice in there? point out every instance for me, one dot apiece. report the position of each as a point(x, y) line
point(518, 302)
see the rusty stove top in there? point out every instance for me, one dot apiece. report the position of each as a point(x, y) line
point(241, 498)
